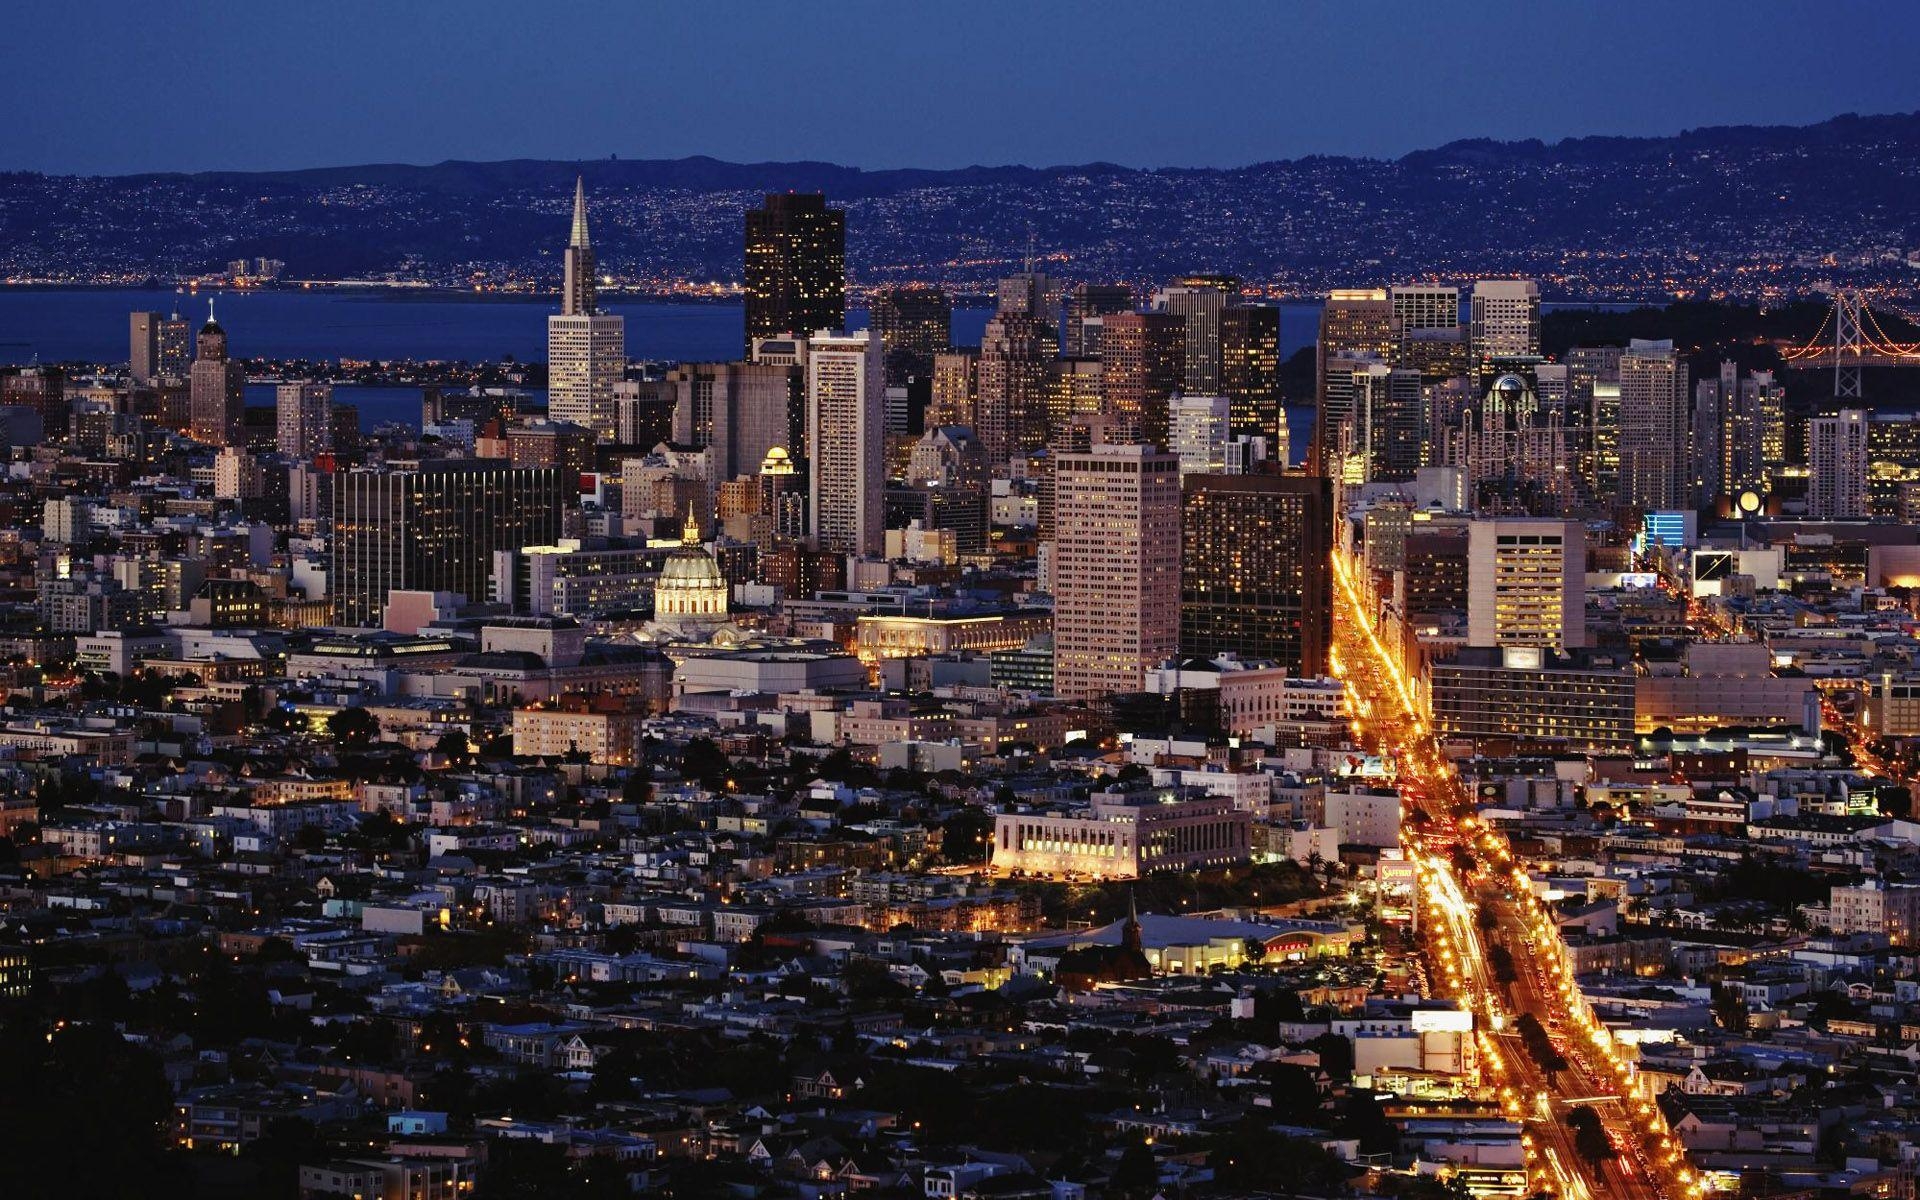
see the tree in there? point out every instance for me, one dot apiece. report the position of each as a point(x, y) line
point(1294, 1095)
point(1731, 1011)
point(703, 762)
point(1589, 1137)
point(81, 1114)
point(1250, 1158)
point(1503, 969)
point(353, 727)
point(282, 1146)
point(1336, 1055)
point(637, 788)
point(967, 836)
point(1137, 1173)
point(454, 747)
point(869, 979)
point(613, 1075)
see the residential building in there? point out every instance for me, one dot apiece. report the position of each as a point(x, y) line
point(847, 480)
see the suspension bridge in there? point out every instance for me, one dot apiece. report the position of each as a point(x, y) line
point(1857, 341)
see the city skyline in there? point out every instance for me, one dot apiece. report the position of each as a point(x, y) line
point(1224, 684)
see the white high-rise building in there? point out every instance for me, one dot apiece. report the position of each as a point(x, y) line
point(1837, 462)
point(303, 419)
point(237, 475)
point(846, 442)
point(1505, 319)
point(1655, 462)
point(586, 349)
point(1526, 583)
point(1201, 428)
point(1116, 568)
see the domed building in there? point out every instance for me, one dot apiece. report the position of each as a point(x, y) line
point(690, 600)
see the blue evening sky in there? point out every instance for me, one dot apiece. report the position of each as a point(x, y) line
point(106, 86)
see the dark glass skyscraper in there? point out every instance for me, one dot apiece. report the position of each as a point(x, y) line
point(435, 529)
point(1250, 367)
point(915, 322)
point(796, 266)
point(1253, 569)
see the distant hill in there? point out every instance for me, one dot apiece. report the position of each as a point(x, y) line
point(1737, 209)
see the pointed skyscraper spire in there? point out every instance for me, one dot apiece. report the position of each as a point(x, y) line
point(577, 299)
point(579, 213)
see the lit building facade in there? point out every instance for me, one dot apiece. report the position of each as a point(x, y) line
point(1124, 836)
point(434, 529)
point(586, 349)
point(1254, 578)
point(796, 267)
point(1526, 583)
point(847, 442)
point(303, 419)
point(1837, 459)
point(1116, 568)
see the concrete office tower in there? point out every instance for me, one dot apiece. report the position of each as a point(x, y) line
point(1421, 307)
point(847, 475)
point(1250, 371)
point(1431, 339)
point(435, 529)
point(1354, 323)
point(586, 349)
point(1142, 360)
point(1116, 568)
point(1504, 316)
point(1526, 583)
point(1074, 389)
point(915, 323)
point(796, 267)
point(1088, 302)
point(1254, 576)
point(1384, 435)
point(303, 419)
point(156, 348)
point(143, 347)
point(956, 389)
point(1034, 293)
point(1010, 403)
point(1200, 307)
point(1201, 428)
point(216, 388)
point(1837, 461)
point(1655, 464)
point(1739, 432)
point(1593, 423)
point(737, 412)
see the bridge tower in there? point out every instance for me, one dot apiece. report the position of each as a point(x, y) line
point(1846, 344)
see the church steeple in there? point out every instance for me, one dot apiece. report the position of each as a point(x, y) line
point(578, 300)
